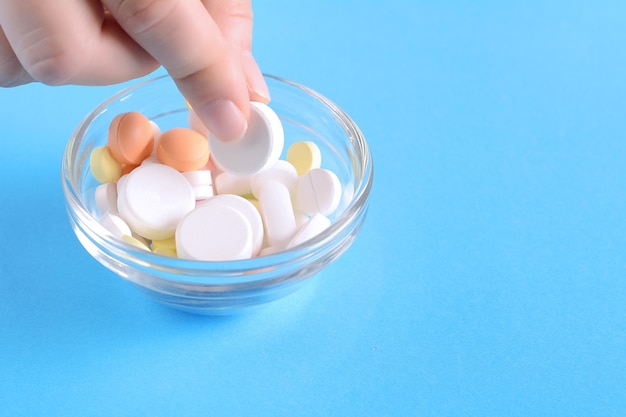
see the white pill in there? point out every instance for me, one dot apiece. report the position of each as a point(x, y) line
point(318, 191)
point(202, 183)
point(120, 183)
point(153, 198)
point(106, 197)
point(203, 192)
point(157, 134)
point(155, 129)
point(228, 183)
point(214, 232)
point(198, 177)
point(114, 224)
point(277, 212)
point(282, 171)
point(316, 225)
point(258, 149)
point(250, 212)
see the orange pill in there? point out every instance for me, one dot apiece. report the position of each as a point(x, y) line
point(183, 149)
point(131, 138)
point(128, 168)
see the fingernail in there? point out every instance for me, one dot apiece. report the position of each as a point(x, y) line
point(254, 77)
point(224, 119)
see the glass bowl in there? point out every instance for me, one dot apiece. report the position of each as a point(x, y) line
point(222, 287)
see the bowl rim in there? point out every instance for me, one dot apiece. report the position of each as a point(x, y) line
point(135, 256)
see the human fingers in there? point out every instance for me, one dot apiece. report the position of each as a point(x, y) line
point(71, 42)
point(235, 20)
point(12, 73)
point(185, 39)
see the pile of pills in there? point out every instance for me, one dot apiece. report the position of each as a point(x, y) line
point(184, 193)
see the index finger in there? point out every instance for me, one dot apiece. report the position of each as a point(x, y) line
point(184, 38)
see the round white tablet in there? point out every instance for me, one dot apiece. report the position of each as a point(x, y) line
point(249, 211)
point(214, 232)
point(153, 198)
point(318, 191)
point(258, 149)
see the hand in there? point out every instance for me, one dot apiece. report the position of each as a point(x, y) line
point(204, 45)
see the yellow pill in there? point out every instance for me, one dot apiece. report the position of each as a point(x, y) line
point(103, 166)
point(164, 244)
point(145, 242)
point(304, 156)
point(135, 242)
point(166, 252)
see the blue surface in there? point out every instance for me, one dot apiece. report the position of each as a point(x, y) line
point(489, 278)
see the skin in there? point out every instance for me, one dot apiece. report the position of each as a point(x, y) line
point(205, 45)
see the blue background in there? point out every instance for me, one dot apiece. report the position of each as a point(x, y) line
point(489, 278)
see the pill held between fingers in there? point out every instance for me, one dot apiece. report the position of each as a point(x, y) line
point(106, 197)
point(304, 156)
point(214, 232)
point(131, 138)
point(153, 199)
point(183, 149)
point(103, 166)
point(318, 191)
point(258, 149)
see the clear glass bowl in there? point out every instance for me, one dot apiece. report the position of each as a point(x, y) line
point(222, 287)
